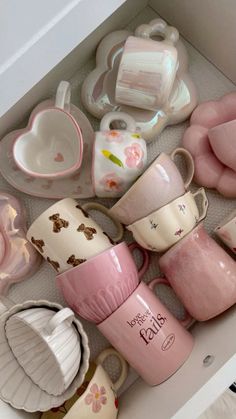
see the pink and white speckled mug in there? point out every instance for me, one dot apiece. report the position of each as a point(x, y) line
point(148, 68)
point(201, 273)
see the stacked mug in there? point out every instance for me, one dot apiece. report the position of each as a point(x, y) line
point(100, 281)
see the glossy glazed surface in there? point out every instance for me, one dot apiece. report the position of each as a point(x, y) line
point(160, 184)
point(148, 336)
point(78, 185)
point(18, 259)
point(202, 274)
point(66, 235)
point(98, 90)
point(223, 142)
point(119, 156)
point(97, 287)
point(226, 231)
point(209, 170)
point(166, 226)
point(16, 387)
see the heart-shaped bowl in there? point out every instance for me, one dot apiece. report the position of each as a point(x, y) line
point(51, 146)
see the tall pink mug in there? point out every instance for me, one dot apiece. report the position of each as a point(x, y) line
point(97, 287)
point(149, 337)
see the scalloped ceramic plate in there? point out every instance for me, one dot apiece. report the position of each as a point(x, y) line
point(78, 185)
point(98, 90)
point(16, 388)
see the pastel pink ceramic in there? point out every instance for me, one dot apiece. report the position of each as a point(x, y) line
point(98, 90)
point(18, 258)
point(226, 231)
point(51, 145)
point(99, 286)
point(160, 184)
point(223, 142)
point(202, 274)
point(209, 170)
point(148, 67)
point(152, 341)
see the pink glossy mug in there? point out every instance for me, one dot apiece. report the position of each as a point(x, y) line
point(201, 273)
point(97, 287)
point(149, 337)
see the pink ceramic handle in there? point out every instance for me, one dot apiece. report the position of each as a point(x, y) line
point(187, 319)
point(145, 255)
point(189, 164)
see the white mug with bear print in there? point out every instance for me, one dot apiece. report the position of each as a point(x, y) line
point(65, 234)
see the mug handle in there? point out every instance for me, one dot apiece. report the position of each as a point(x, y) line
point(124, 366)
point(205, 203)
point(189, 163)
point(99, 207)
point(188, 319)
point(158, 26)
point(117, 116)
point(58, 318)
point(63, 96)
point(145, 255)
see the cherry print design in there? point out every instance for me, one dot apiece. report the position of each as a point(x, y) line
point(179, 232)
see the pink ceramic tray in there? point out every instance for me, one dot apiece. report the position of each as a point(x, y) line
point(79, 185)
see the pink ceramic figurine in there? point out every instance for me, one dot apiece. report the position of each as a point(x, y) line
point(211, 141)
point(18, 258)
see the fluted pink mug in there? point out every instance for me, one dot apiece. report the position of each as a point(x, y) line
point(100, 285)
point(149, 337)
point(201, 273)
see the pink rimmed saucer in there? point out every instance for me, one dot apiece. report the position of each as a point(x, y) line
point(78, 185)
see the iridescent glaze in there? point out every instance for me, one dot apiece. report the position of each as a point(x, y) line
point(98, 90)
point(202, 139)
point(18, 258)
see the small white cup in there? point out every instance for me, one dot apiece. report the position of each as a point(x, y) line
point(148, 68)
point(46, 345)
point(119, 156)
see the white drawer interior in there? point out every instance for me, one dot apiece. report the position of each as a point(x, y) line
point(194, 386)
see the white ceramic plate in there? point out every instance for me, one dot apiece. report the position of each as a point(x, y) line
point(16, 388)
point(78, 185)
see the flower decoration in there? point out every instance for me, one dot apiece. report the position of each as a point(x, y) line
point(209, 170)
point(112, 183)
point(96, 397)
point(134, 156)
point(114, 136)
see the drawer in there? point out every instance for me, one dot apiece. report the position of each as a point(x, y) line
point(63, 47)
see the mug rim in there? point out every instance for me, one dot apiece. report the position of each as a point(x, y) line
point(162, 209)
point(122, 244)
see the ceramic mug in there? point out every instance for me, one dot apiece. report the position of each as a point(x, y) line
point(16, 386)
point(160, 184)
point(226, 231)
point(148, 68)
point(166, 226)
point(148, 336)
point(67, 236)
point(52, 145)
point(97, 397)
point(119, 156)
point(99, 286)
point(201, 273)
point(47, 345)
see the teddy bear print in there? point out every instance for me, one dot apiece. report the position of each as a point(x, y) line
point(109, 238)
point(54, 264)
point(83, 211)
point(58, 223)
point(74, 262)
point(38, 243)
point(88, 231)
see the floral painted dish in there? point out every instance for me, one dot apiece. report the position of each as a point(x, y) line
point(18, 258)
point(78, 185)
point(209, 170)
point(98, 90)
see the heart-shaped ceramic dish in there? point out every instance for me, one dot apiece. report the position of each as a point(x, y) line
point(51, 146)
point(98, 90)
